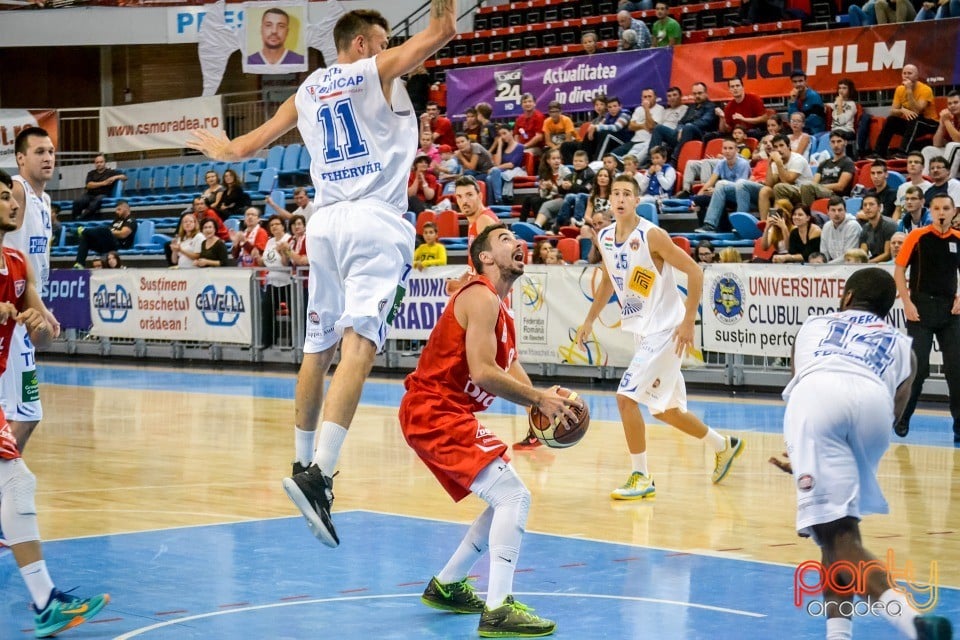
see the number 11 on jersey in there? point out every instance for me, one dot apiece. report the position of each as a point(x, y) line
point(341, 135)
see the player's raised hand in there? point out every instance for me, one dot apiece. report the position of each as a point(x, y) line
point(212, 145)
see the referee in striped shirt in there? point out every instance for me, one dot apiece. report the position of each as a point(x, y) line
point(932, 303)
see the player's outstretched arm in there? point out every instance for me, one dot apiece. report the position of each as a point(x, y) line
point(218, 146)
point(600, 298)
point(395, 62)
point(902, 395)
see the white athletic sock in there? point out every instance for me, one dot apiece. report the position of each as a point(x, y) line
point(639, 462)
point(471, 548)
point(715, 440)
point(839, 629)
point(304, 445)
point(503, 562)
point(38, 582)
point(900, 617)
point(329, 443)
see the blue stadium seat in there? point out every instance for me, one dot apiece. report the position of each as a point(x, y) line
point(191, 181)
point(526, 231)
point(290, 164)
point(144, 236)
point(745, 225)
point(648, 211)
point(304, 164)
point(275, 157)
point(267, 183)
point(252, 170)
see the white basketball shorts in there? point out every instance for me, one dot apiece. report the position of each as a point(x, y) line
point(653, 377)
point(361, 254)
point(837, 427)
point(19, 387)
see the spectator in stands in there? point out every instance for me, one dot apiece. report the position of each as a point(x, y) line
point(300, 198)
point(553, 174)
point(840, 234)
point(553, 256)
point(628, 23)
point(834, 176)
point(804, 238)
point(213, 251)
point(855, 256)
point(896, 243)
point(881, 188)
point(113, 261)
point(439, 126)
point(888, 11)
point(214, 191)
point(701, 170)
point(588, 40)
point(666, 31)
point(250, 242)
point(557, 128)
point(235, 200)
point(915, 171)
point(660, 179)
point(817, 258)
point(645, 117)
point(99, 184)
point(118, 235)
point(805, 100)
point(418, 88)
point(915, 214)
point(629, 5)
point(938, 10)
point(787, 172)
point(673, 113)
point(912, 114)
point(430, 149)
point(705, 253)
point(598, 202)
point(488, 130)
point(863, 16)
point(844, 109)
point(774, 125)
point(473, 158)
point(577, 187)
point(799, 139)
point(720, 188)
point(942, 182)
point(946, 141)
point(730, 254)
point(293, 253)
point(430, 252)
point(746, 109)
point(541, 251)
point(508, 163)
point(422, 185)
point(588, 144)
point(628, 40)
point(201, 211)
point(699, 120)
point(185, 246)
point(631, 168)
point(877, 230)
point(528, 127)
point(776, 233)
point(275, 294)
point(471, 124)
point(615, 129)
point(449, 168)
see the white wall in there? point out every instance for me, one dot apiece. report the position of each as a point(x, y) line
point(139, 25)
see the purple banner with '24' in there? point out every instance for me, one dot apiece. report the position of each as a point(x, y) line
point(67, 295)
point(572, 82)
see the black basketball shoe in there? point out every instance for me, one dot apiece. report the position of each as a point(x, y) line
point(312, 492)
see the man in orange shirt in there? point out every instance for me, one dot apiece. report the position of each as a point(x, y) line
point(557, 128)
point(912, 115)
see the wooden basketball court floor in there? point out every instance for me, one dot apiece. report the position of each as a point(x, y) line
point(162, 487)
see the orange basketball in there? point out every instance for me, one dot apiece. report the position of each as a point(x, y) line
point(557, 434)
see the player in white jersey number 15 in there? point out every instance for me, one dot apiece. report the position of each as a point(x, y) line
point(358, 124)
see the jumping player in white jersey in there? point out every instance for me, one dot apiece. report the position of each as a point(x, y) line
point(19, 389)
point(852, 378)
point(359, 126)
point(638, 263)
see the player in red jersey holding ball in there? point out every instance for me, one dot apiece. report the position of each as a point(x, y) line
point(470, 359)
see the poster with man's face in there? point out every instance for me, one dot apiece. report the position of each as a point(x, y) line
point(274, 38)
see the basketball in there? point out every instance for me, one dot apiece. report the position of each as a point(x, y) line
point(556, 434)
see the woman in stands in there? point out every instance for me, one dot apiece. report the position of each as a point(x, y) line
point(844, 116)
point(774, 125)
point(779, 226)
point(213, 252)
point(799, 141)
point(112, 261)
point(804, 240)
point(277, 280)
point(185, 248)
point(234, 200)
point(599, 200)
point(553, 185)
point(214, 192)
point(541, 250)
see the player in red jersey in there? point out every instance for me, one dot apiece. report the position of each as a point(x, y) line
point(21, 304)
point(470, 359)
